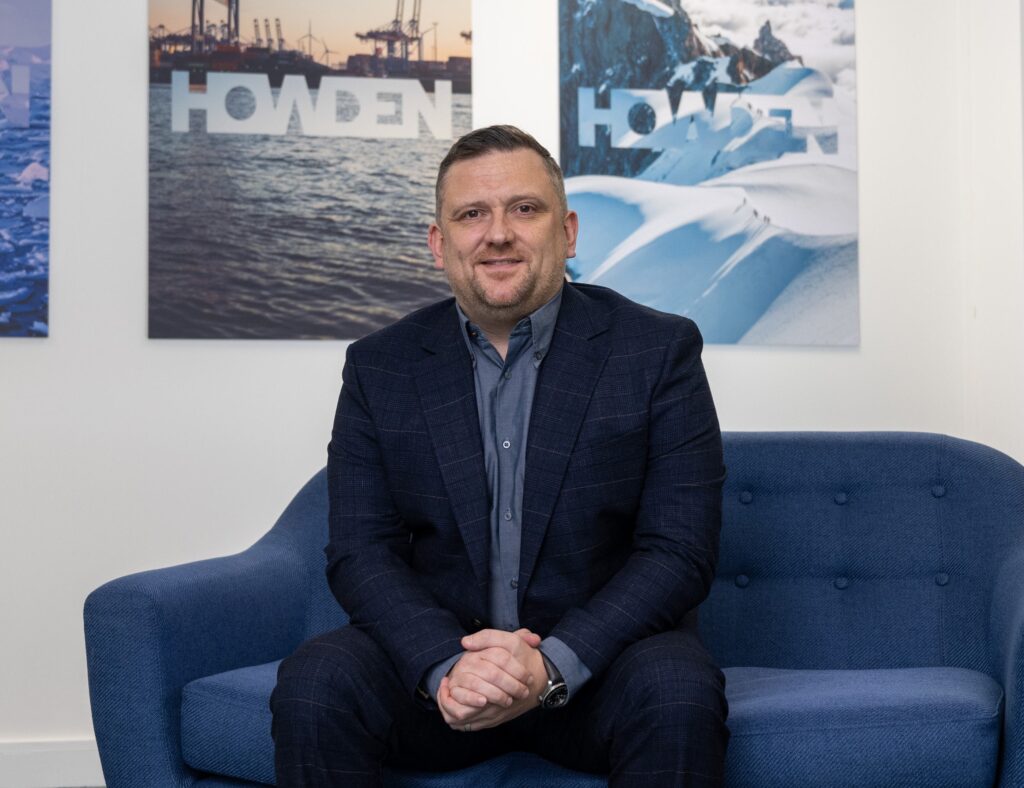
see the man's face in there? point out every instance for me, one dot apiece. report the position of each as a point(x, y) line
point(502, 238)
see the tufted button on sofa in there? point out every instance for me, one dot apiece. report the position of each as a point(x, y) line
point(868, 612)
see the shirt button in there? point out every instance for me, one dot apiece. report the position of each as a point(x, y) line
point(508, 374)
point(507, 444)
point(538, 356)
point(508, 514)
point(514, 583)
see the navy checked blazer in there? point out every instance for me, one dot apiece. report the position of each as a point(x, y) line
point(621, 501)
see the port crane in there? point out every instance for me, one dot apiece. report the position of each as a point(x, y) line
point(232, 30)
point(271, 42)
point(397, 36)
point(412, 30)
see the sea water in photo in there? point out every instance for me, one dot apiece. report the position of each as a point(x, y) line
point(288, 237)
point(24, 189)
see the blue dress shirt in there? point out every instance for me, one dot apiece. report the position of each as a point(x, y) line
point(504, 400)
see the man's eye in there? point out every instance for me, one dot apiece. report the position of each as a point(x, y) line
point(473, 213)
point(525, 209)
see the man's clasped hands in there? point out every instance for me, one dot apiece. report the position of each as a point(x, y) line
point(499, 677)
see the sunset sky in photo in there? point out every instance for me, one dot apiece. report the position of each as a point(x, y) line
point(334, 22)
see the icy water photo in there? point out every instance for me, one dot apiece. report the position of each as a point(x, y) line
point(288, 237)
point(24, 168)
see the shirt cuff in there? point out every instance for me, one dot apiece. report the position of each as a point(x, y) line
point(574, 673)
point(433, 676)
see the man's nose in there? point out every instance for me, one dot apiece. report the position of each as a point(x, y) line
point(499, 231)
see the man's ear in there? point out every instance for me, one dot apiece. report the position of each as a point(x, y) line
point(571, 224)
point(435, 240)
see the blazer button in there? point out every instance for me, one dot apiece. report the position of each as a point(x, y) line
point(477, 624)
point(841, 583)
point(841, 498)
point(742, 581)
point(746, 496)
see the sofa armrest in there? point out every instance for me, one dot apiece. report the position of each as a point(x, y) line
point(1006, 648)
point(149, 634)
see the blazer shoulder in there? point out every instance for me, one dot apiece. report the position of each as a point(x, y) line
point(628, 319)
point(403, 339)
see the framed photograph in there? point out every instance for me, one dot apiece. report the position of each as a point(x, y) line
point(292, 158)
point(24, 168)
point(710, 147)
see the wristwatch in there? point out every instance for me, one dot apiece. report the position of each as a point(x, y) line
point(556, 693)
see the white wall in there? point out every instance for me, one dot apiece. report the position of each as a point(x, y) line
point(119, 454)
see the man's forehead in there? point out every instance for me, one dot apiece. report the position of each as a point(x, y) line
point(519, 159)
point(495, 170)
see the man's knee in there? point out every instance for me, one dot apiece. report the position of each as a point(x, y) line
point(671, 680)
point(335, 671)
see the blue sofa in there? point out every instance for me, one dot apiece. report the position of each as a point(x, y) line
point(868, 611)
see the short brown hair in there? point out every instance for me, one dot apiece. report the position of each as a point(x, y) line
point(497, 138)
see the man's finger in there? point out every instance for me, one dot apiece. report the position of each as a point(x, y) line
point(478, 683)
point(491, 638)
point(520, 678)
point(477, 700)
point(532, 639)
point(488, 677)
point(454, 713)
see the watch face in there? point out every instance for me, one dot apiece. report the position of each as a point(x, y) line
point(556, 697)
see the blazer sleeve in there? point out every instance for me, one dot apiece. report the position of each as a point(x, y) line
point(675, 543)
point(369, 549)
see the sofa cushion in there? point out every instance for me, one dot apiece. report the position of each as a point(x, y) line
point(910, 726)
point(225, 730)
point(225, 723)
point(902, 727)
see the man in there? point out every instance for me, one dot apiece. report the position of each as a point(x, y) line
point(525, 496)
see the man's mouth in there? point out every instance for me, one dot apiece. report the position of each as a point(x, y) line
point(499, 261)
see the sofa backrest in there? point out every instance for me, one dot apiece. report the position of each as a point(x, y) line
point(839, 550)
point(303, 526)
point(860, 550)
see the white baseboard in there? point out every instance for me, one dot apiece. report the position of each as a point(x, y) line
point(50, 764)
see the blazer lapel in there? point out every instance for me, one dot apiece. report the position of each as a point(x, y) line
point(444, 382)
point(566, 382)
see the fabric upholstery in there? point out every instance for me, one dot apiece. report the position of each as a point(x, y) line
point(887, 552)
point(873, 552)
point(226, 731)
point(821, 724)
point(810, 728)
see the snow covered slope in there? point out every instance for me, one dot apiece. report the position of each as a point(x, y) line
point(718, 255)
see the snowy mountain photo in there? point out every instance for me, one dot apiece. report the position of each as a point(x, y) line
point(711, 153)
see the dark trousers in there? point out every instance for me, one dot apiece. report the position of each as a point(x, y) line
point(655, 718)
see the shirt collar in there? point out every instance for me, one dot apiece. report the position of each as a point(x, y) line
point(540, 323)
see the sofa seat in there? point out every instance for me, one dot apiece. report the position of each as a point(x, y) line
point(900, 727)
point(225, 730)
point(792, 728)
